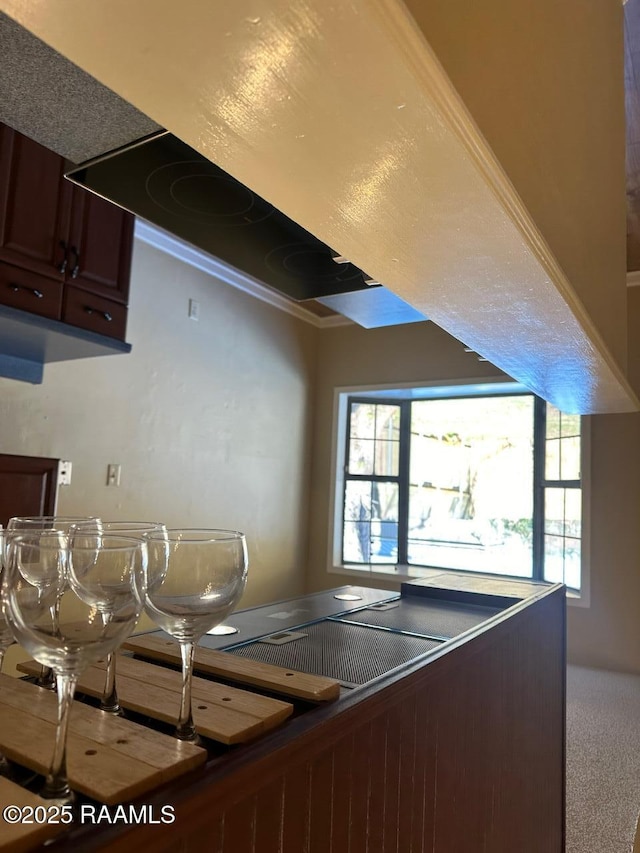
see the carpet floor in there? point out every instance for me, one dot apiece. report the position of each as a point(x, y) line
point(603, 760)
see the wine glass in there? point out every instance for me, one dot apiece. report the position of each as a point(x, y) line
point(6, 637)
point(196, 578)
point(108, 573)
point(46, 522)
point(42, 522)
point(109, 701)
point(6, 640)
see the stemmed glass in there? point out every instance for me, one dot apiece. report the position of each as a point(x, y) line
point(136, 529)
point(107, 572)
point(6, 637)
point(196, 578)
point(6, 640)
point(46, 522)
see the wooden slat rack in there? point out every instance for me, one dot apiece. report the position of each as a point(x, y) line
point(276, 679)
point(109, 759)
point(224, 714)
point(21, 836)
point(114, 760)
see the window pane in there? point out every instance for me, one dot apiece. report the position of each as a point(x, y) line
point(572, 562)
point(554, 559)
point(361, 456)
point(371, 522)
point(569, 425)
point(562, 447)
point(356, 546)
point(552, 460)
point(439, 461)
point(384, 547)
point(387, 458)
point(357, 502)
point(374, 435)
point(562, 560)
point(570, 458)
point(471, 490)
point(363, 420)
point(385, 501)
point(562, 512)
point(573, 513)
point(387, 423)
point(562, 525)
point(553, 421)
point(554, 511)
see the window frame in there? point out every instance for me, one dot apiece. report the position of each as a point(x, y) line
point(458, 388)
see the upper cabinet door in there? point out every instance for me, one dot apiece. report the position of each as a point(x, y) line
point(100, 246)
point(28, 486)
point(34, 205)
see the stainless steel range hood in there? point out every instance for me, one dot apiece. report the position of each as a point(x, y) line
point(163, 180)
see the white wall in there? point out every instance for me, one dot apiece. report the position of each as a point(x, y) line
point(209, 420)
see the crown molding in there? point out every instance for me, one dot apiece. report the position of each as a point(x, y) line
point(183, 251)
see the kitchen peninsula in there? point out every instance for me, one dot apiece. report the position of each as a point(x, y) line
point(447, 735)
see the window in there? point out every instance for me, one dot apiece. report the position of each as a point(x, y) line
point(474, 478)
point(562, 496)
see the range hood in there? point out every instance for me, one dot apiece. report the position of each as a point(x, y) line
point(162, 180)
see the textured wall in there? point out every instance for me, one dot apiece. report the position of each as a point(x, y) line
point(607, 634)
point(209, 420)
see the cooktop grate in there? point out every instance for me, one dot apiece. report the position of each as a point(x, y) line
point(442, 619)
point(352, 654)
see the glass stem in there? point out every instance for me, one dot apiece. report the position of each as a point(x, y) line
point(5, 767)
point(57, 785)
point(185, 730)
point(109, 701)
point(47, 678)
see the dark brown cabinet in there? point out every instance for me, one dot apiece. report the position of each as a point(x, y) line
point(28, 486)
point(28, 291)
point(64, 253)
point(34, 205)
point(100, 246)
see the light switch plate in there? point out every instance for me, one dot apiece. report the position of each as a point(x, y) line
point(113, 475)
point(64, 473)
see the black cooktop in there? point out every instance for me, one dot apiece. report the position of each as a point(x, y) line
point(163, 180)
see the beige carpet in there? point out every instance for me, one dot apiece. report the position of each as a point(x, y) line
point(603, 761)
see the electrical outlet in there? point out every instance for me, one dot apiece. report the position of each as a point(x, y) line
point(113, 475)
point(194, 310)
point(64, 473)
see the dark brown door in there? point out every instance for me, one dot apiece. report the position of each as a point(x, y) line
point(100, 246)
point(34, 205)
point(28, 486)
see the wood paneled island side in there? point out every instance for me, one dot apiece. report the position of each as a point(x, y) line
point(459, 749)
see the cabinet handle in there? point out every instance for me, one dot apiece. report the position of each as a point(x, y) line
point(104, 314)
point(76, 265)
point(62, 266)
point(16, 287)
